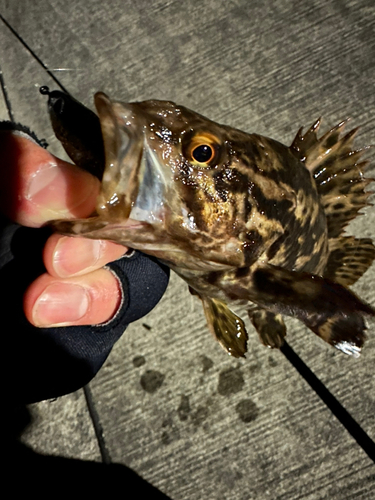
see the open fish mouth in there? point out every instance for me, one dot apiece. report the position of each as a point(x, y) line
point(149, 204)
point(113, 147)
point(133, 185)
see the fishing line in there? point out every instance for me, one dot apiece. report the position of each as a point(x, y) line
point(351, 425)
point(98, 429)
point(344, 417)
point(29, 49)
point(6, 97)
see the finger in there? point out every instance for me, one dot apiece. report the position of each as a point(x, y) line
point(82, 300)
point(65, 256)
point(37, 187)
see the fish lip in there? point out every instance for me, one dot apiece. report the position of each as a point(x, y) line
point(129, 224)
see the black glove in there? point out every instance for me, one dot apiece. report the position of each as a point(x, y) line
point(43, 363)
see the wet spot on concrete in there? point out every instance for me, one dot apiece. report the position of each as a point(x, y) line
point(170, 431)
point(206, 362)
point(199, 416)
point(184, 409)
point(139, 361)
point(167, 422)
point(166, 438)
point(230, 477)
point(230, 381)
point(152, 380)
point(272, 361)
point(247, 410)
point(253, 368)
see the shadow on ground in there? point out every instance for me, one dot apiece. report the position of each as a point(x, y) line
point(25, 471)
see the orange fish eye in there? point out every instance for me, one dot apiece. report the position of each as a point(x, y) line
point(203, 149)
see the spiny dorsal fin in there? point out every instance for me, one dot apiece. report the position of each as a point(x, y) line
point(349, 258)
point(338, 173)
point(313, 151)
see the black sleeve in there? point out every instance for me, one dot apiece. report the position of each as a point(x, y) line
point(43, 363)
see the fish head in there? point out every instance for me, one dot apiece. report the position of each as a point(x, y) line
point(172, 185)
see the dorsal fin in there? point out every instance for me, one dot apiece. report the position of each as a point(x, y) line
point(313, 151)
point(338, 173)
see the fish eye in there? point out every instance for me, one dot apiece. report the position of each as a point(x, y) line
point(203, 153)
point(203, 150)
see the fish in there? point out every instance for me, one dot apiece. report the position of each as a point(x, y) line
point(240, 217)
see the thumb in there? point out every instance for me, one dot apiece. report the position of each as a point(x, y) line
point(36, 187)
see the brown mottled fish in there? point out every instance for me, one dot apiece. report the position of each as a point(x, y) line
point(240, 217)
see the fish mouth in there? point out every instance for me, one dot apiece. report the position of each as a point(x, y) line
point(112, 145)
point(133, 185)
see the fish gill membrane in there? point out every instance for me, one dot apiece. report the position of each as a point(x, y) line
point(240, 217)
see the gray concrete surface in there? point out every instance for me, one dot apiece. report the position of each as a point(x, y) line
point(267, 67)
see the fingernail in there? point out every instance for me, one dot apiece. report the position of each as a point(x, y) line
point(60, 304)
point(60, 188)
point(43, 187)
point(84, 259)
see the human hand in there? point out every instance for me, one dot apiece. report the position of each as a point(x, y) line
point(90, 304)
point(37, 187)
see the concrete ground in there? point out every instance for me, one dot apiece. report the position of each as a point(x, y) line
point(216, 427)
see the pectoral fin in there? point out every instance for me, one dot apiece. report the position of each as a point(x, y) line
point(327, 308)
point(228, 329)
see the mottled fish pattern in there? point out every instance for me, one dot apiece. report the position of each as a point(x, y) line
point(240, 217)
